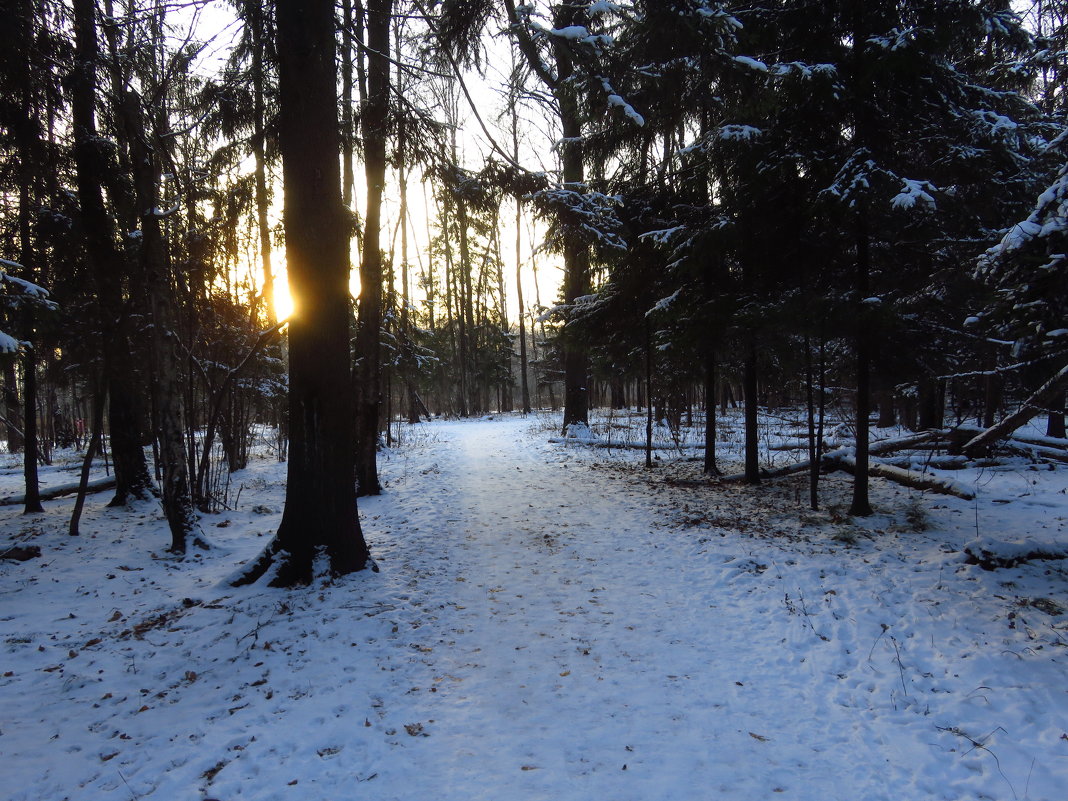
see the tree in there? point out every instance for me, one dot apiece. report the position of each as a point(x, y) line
point(374, 124)
point(93, 161)
point(320, 514)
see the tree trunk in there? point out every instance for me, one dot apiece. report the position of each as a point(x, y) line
point(752, 441)
point(524, 385)
point(373, 121)
point(710, 466)
point(109, 268)
point(320, 509)
point(155, 268)
point(259, 150)
point(27, 137)
point(860, 505)
point(1055, 422)
point(29, 429)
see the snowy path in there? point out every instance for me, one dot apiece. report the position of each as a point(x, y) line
point(588, 644)
point(544, 628)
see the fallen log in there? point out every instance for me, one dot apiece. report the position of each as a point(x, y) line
point(1031, 407)
point(1023, 448)
point(97, 485)
point(623, 444)
point(876, 448)
point(909, 478)
point(1045, 442)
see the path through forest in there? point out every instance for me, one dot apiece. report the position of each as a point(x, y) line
point(550, 623)
point(588, 642)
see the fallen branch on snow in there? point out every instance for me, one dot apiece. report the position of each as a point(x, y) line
point(98, 485)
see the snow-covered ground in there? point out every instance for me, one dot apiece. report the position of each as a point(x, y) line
point(551, 621)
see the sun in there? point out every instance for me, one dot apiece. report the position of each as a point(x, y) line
point(283, 301)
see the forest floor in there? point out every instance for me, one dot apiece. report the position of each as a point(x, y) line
point(552, 622)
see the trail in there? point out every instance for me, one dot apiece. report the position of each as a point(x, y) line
point(568, 601)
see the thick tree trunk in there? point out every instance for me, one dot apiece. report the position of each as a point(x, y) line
point(320, 508)
point(931, 404)
point(368, 329)
point(576, 253)
point(109, 267)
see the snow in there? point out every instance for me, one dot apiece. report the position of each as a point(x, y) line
point(25, 287)
point(550, 622)
point(617, 101)
point(600, 7)
point(8, 343)
point(752, 63)
point(572, 33)
point(739, 133)
point(912, 192)
point(664, 303)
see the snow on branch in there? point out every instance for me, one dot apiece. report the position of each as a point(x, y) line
point(615, 99)
point(854, 178)
point(914, 191)
point(22, 292)
point(738, 133)
point(752, 63)
point(8, 344)
point(1049, 217)
point(574, 210)
point(24, 287)
point(804, 71)
point(664, 303)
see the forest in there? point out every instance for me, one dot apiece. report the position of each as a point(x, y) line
point(745, 203)
point(459, 399)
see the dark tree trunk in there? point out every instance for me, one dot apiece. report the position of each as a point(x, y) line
point(993, 386)
point(864, 129)
point(860, 505)
point(524, 384)
point(931, 404)
point(373, 121)
point(887, 412)
point(1055, 422)
point(27, 136)
point(259, 151)
point(576, 271)
point(155, 268)
point(29, 454)
point(109, 267)
point(752, 441)
point(710, 466)
point(320, 508)
point(648, 393)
